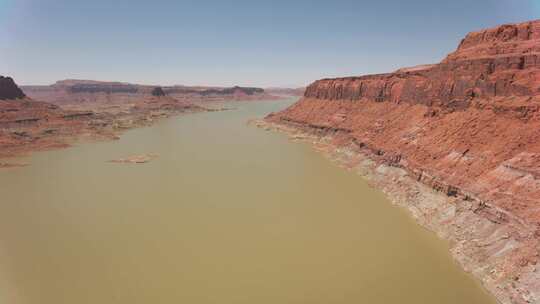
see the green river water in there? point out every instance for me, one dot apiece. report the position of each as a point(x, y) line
point(227, 214)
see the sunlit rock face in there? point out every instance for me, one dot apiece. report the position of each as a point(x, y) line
point(468, 127)
point(470, 121)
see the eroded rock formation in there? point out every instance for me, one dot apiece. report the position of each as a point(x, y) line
point(158, 91)
point(9, 90)
point(27, 125)
point(475, 112)
point(468, 127)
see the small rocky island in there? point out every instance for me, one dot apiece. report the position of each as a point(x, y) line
point(135, 159)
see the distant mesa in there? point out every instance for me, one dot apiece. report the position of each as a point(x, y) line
point(70, 90)
point(9, 90)
point(158, 92)
point(236, 90)
point(286, 91)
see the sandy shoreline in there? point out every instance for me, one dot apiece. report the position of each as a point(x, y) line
point(481, 245)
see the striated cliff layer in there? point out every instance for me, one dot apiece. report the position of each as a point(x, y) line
point(468, 127)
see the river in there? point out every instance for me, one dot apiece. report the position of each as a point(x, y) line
point(228, 213)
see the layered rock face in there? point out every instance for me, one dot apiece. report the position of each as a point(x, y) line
point(471, 121)
point(9, 90)
point(500, 62)
point(27, 125)
point(468, 126)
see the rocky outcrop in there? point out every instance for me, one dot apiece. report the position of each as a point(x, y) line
point(500, 62)
point(27, 125)
point(89, 86)
point(158, 91)
point(9, 90)
point(466, 127)
point(503, 41)
point(135, 159)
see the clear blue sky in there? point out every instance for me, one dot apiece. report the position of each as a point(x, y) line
point(227, 42)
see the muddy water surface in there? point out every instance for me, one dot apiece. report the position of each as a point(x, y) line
point(228, 213)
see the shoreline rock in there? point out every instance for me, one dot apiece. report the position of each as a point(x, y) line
point(9, 90)
point(27, 125)
point(479, 245)
point(466, 128)
point(135, 159)
point(5, 165)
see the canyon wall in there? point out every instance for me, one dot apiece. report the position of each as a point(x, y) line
point(28, 125)
point(286, 91)
point(468, 127)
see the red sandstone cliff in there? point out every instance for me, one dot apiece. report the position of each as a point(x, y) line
point(470, 124)
point(468, 127)
point(27, 125)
